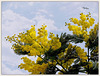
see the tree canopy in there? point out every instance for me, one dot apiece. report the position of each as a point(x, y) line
point(56, 54)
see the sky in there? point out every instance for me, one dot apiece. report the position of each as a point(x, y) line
point(19, 16)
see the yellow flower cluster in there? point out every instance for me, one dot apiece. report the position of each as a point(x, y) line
point(83, 17)
point(94, 30)
point(75, 20)
point(53, 63)
point(81, 54)
point(32, 67)
point(93, 33)
point(36, 45)
point(38, 59)
point(76, 30)
point(62, 55)
point(54, 42)
point(85, 22)
point(90, 65)
point(68, 63)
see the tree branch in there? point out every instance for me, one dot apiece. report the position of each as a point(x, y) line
point(61, 66)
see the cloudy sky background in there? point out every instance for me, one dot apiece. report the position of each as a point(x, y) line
point(19, 16)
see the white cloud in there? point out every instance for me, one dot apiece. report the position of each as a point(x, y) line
point(14, 60)
point(14, 5)
point(7, 70)
point(70, 5)
point(30, 3)
point(13, 23)
point(95, 15)
point(63, 8)
point(43, 11)
point(51, 15)
point(43, 20)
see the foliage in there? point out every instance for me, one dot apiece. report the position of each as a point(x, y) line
point(58, 51)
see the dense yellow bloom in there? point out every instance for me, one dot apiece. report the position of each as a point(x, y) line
point(75, 21)
point(36, 45)
point(63, 55)
point(83, 17)
point(94, 30)
point(91, 21)
point(54, 42)
point(68, 63)
point(32, 67)
point(39, 45)
point(83, 24)
point(76, 30)
point(81, 54)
